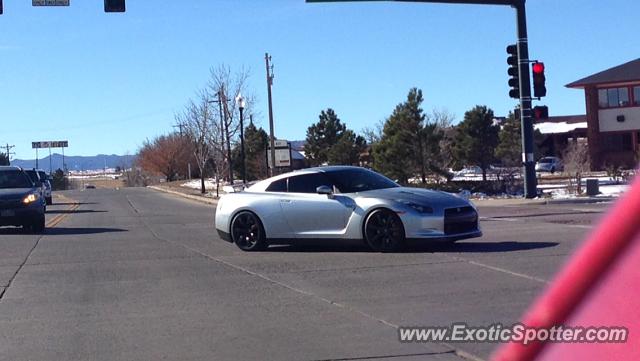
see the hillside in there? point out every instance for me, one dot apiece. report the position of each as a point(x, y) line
point(95, 162)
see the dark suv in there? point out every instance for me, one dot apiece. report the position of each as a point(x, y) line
point(21, 201)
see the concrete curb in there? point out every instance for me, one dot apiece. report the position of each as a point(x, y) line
point(200, 199)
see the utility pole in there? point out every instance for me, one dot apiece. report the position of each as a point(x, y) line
point(179, 126)
point(225, 108)
point(8, 147)
point(272, 155)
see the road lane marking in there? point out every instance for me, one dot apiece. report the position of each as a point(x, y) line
point(499, 269)
point(458, 352)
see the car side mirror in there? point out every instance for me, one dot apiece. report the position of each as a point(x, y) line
point(325, 190)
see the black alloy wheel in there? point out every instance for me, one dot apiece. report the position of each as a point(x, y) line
point(247, 232)
point(383, 231)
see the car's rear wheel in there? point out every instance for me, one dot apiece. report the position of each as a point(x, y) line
point(383, 231)
point(247, 232)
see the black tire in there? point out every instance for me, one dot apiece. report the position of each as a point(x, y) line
point(39, 225)
point(383, 231)
point(36, 226)
point(553, 170)
point(247, 232)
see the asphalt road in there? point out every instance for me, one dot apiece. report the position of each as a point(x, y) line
point(134, 274)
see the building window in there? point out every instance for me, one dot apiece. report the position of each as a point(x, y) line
point(617, 142)
point(636, 95)
point(613, 97)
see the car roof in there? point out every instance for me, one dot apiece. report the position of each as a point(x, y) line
point(9, 167)
point(261, 185)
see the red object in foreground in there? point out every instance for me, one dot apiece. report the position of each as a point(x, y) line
point(599, 286)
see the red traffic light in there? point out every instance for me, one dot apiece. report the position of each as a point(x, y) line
point(538, 68)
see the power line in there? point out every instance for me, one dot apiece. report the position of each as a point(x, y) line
point(9, 152)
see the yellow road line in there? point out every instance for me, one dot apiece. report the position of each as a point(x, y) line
point(60, 217)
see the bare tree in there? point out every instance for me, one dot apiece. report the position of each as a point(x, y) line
point(576, 163)
point(224, 86)
point(197, 120)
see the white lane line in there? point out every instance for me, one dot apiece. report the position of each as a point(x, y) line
point(581, 226)
point(458, 352)
point(499, 219)
point(503, 270)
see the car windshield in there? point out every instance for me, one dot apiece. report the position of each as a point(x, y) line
point(546, 160)
point(359, 180)
point(14, 179)
point(33, 175)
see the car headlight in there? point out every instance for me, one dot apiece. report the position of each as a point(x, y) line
point(420, 208)
point(30, 198)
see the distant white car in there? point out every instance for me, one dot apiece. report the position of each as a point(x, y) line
point(549, 164)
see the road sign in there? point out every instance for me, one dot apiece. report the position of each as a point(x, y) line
point(282, 154)
point(50, 144)
point(49, 2)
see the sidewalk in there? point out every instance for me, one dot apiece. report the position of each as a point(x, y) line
point(186, 193)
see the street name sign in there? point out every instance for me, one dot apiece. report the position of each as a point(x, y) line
point(49, 2)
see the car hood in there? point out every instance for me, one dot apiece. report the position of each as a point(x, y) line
point(417, 195)
point(14, 193)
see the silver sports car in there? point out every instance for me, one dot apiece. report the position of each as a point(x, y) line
point(341, 202)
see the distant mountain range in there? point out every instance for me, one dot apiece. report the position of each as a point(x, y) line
point(77, 163)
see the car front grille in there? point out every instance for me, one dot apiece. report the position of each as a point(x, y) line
point(9, 203)
point(460, 220)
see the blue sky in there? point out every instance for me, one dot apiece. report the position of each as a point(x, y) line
point(105, 82)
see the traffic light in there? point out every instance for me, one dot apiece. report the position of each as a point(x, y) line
point(540, 112)
point(514, 77)
point(114, 6)
point(539, 89)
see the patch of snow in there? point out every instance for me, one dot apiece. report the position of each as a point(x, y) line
point(561, 127)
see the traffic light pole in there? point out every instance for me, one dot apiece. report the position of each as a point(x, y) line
point(525, 85)
point(526, 119)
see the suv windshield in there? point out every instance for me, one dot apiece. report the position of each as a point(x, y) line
point(33, 175)
point(43, 175)
point(14, 179)
point(359, 180)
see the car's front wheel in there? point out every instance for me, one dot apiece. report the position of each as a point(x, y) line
point(37, 226)
point(247, 232)
point(383, 231)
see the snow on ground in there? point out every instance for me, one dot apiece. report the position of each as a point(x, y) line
point(561, 127)
point(209, 183)
point(609, 190)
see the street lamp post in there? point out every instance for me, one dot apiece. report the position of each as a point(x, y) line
point(240, 101)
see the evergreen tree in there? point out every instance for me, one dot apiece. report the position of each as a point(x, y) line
point(321, 136)
point(509, 149)
point(4, 159)
point(329, 141)
point(476, 139)
point(407, 147)
point(347, 150)
point(255, 147)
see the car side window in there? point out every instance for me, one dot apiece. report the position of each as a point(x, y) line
point(308, 183)
point(277, 186)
